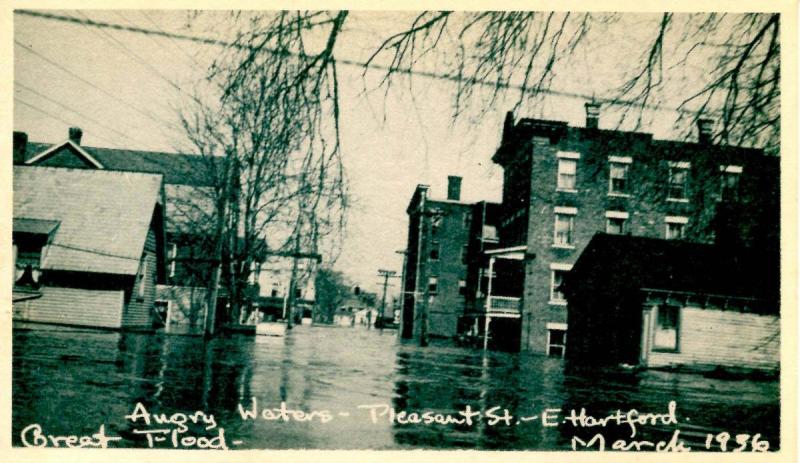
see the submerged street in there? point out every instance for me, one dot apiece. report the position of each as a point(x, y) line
point(348, 388)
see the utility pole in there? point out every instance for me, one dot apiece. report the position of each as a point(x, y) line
point(292, 285)
point(386, 274)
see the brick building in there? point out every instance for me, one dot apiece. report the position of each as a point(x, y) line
point(561, 186)
point(436, 269)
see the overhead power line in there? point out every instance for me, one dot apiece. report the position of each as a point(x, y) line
point(361, 64)
point(53, 116)
point(177, 45)
point(144, 113)
point(67, 108)
point(114, 41)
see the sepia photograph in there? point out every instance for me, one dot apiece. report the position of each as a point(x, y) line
point(500, 229)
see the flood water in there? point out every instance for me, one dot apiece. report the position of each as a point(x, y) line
point(72, 381)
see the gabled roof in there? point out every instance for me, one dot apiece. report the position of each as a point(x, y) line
point(612, 263)
point(67, 144)
point(179, 169)
point(103, 216)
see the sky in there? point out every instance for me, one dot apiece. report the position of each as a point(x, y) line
point(124, 90)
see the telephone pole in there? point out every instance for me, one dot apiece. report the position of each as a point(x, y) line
point(386, 274)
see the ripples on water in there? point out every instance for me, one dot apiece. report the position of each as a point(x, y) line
point(71, 381)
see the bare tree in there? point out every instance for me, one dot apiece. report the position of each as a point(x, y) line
point(277, 117)
point(522, 51)
point(278, 181)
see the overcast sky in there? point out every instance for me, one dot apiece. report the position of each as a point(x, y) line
point(116, 87)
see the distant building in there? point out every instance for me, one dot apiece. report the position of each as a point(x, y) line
point(666, 303)
point(273, 280)
point(446, 238)
point(88, 247)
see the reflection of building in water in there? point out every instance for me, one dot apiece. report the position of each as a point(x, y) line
point(466, 378)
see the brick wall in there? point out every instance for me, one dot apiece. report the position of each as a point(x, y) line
point(646, 204)
point(447, 305)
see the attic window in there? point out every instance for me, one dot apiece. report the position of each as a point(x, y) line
point(30, 236)
point(27, 264)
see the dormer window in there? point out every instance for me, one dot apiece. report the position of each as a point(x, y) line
point(30, 239)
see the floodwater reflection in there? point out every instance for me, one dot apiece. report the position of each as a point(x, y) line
point(72, 381)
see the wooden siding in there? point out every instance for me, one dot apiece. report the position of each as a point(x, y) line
point(138, 311)
point(728, 338)
point(66, 157)
point(70, 306)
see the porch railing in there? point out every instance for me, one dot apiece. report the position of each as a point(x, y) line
point(504, 304)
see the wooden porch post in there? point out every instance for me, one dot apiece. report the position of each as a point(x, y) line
point(488, 305)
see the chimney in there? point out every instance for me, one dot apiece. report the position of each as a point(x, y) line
point(508, 127)
point(20, 146)
point(75, 135)
point(592, 114)
point(454, 188)
point(705, 128)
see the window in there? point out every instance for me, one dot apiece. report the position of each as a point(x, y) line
point(274, 292)
point(298, 293)
point(667, 326)
point(618, 167)
point(729, 179)
point(615, 222)
point(564, 226)
point(557, 272)
point(142, 276)
point(467, 220)
point(676, 227)
point(465, 254)
point(173, 257)
point(618, 177)
point(462, 287)
point(677, 189)
point(436, 224)
point(435, 250)
point(556, 339)
point(27, 260)
point(433, 285)
point(567, 169)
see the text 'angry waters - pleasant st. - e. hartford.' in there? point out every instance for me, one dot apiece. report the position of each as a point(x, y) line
point(201, 430)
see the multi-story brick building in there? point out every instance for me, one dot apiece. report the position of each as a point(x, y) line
point(562, 185)
point(436, 262)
